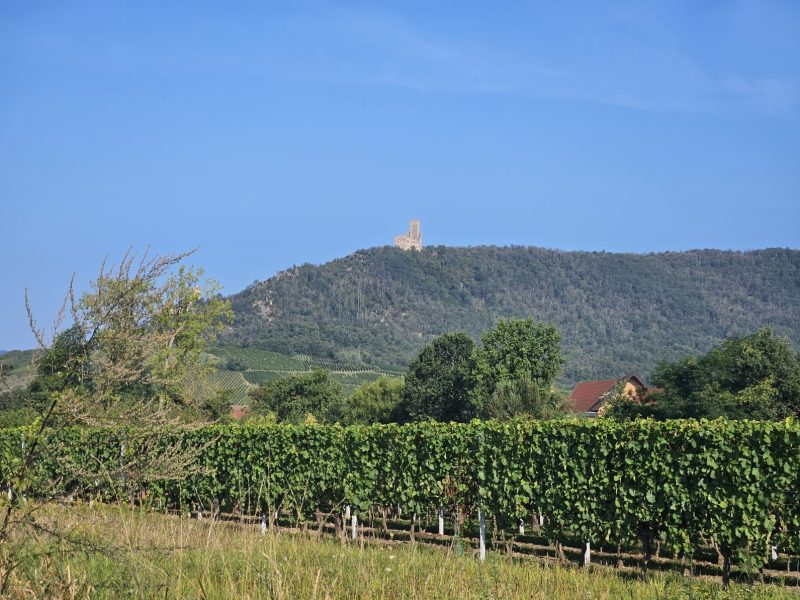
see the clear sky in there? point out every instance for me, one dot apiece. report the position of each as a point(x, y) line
point(272, 134)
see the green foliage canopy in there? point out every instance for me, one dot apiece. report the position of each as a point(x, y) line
point(751, 377)
point(519, 353)
point(439, 381)
point(374, 402)
point(293, 397)
point(135, 346)
point(522, 397)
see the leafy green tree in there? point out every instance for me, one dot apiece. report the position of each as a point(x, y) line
point(134, 349)
point(294, 397)
point(132, 356)
point(373, 402)
point(517, 350)
point(217, 406)
point(439, 381)
point(522, 397)
point(148, 333)
point(754, 377)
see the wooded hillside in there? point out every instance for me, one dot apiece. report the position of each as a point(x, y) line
point(617, 313)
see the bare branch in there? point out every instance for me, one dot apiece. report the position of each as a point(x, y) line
point(37, 333)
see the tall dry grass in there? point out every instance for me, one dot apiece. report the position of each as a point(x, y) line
point(117, 552)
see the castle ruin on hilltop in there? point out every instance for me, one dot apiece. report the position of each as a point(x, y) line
point(412, 240)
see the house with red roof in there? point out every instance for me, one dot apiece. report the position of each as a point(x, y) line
point(239, 411)
point(590, 396)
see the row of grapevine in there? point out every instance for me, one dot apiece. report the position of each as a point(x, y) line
point(259, 377)
point(336, 366)
point(348, 380)
point(687, 483)
point(255, 358)
point(234, 381)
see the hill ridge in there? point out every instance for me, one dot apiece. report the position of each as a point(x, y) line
point(379, 305)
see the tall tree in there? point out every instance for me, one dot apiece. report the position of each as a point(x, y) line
point(440, 380)
point(517, 350)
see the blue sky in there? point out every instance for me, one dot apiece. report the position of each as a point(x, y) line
point(272, 134)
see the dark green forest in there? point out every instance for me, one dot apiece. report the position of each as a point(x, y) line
point(617, 313)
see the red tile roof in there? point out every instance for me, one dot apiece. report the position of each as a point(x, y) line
point(587, 393)
point(239, 411)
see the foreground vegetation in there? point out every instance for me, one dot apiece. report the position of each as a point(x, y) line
point(114, 552)
point(688, 484)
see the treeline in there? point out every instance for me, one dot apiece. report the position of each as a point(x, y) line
point(617, 313)
point(512, 373)
point(751, 377)
point(686, 484)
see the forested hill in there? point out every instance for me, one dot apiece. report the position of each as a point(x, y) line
point(618, 313)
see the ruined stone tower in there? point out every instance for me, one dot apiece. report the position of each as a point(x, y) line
point(412, 240)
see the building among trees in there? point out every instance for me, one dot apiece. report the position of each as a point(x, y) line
point(589, 397)
point(412, 239)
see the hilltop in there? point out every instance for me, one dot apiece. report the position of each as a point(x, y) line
point(618, 313)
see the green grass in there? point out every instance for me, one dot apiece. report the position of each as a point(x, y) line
point(132, 554)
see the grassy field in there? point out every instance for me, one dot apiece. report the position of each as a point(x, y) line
point(122, 553)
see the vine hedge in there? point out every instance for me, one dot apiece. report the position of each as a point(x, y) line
point(687, 483)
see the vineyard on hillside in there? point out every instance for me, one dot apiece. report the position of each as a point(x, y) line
point(682, 485)
point(241, 368)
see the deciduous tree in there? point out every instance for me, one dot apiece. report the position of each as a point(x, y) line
point(132, 356)
point(440, 380)
point(373, 402)
point(754, 377)
point(517, 350)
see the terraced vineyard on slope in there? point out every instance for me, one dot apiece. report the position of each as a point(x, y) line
point(243, 368)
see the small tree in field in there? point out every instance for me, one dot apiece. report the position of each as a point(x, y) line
point(131, 357)
point(373, 402)
point(522, 397)
point(293, 397)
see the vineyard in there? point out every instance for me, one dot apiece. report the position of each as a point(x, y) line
point(233, 381)
point(255, 367)
point(681, 487)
